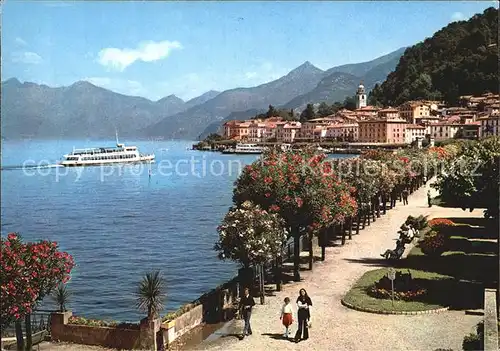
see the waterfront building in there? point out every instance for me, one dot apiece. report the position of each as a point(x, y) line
point(237, 130)
point(387, 131)
point(286, 132)
point(257, 131)
point(489, 125)
point(343, 131)
point(360, 96)
point(414, 132)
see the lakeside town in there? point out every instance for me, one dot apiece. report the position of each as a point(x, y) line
point(411, 123)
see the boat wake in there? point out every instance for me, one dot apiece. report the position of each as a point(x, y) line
point(17, 167)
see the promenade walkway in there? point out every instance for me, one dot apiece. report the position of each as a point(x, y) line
point(335, 327)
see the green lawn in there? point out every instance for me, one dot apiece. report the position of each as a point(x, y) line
point(471, 259)
point(358, 296)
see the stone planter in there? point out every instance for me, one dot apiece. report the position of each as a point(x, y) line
point(168, 330)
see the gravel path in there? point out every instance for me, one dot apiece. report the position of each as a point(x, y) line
point(335, 327)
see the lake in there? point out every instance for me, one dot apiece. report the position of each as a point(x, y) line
point(119, 223)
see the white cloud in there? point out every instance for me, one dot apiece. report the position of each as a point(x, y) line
point(27, 57)
point(20, 41)
point(250, 75)
point(147, 51)
point(122, 86)
point(457, 16)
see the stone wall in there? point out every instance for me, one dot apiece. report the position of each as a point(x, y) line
point(212, 307)
point(490, 320)
point(116, 338)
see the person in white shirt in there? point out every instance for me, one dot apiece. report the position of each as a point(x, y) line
point(286, 315)
point(304, 305)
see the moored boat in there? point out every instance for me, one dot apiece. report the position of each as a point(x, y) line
point(245, 149)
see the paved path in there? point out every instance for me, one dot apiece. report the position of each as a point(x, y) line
point(336, 327)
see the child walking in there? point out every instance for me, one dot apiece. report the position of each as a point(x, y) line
point(286, 315)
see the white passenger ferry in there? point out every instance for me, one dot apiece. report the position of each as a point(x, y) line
point(106, 156)
point(245, 149)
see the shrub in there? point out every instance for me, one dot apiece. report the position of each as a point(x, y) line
point(475, 341)
point(75, 320)
point(471, 342)
point(433, 244)
point(419, 222)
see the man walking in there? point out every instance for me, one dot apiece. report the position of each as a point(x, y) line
point(405, 194)
point(246, 304)
point(429, 198)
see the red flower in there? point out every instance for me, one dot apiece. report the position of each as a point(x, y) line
point(267, 194)
point(12, 236)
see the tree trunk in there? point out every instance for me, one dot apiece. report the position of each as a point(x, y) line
point(19, 335)
point(245, 277)
point(29, 339)
point(358, 222)
point(277, 272)
point(323, 243)
point(296, 254)
point(367, 214)
point(342, 230)
point(350, 228)
point(261, 283)
point(311, 253)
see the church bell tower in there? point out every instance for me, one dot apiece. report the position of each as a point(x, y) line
point(360, 96)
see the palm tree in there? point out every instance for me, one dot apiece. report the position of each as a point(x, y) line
point(151, 294)
point(61, 297)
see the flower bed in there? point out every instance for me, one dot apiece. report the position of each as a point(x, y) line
point(398, 295)
point(437, 222)
point(75, 320)
point(405, 288)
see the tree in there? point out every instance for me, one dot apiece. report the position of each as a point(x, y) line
point(30, 271)
point(271, 112)
point(324, 109)
point(350, 103)
point(61, 297)
point(250, 235)
point(295, 185)
point(455, 61)
point(213, 137)
point(308, 113)
point(472, 179)
point(150, 294)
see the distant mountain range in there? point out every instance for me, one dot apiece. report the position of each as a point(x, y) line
point(85, 110)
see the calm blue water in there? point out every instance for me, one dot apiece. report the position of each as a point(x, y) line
point(119, 224)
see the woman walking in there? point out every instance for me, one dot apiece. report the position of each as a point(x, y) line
point(286, 316)
point(304, 305)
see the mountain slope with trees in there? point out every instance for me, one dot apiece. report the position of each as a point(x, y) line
point(460, 59)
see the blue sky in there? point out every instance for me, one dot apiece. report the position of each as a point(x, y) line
point(154, 49)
